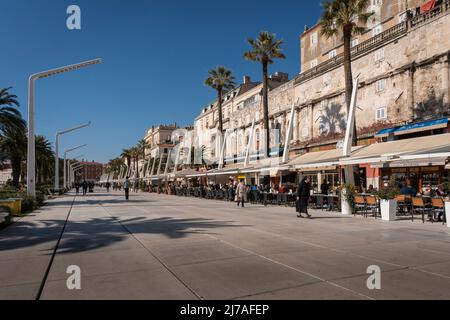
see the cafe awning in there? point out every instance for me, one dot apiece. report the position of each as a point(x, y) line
point(319, 160)
point(421, 149)
point(412, 128)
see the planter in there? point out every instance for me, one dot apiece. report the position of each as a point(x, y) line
point(447, 212)
point(388, 210)
point(346, 207)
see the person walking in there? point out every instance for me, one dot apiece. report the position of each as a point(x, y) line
point(108, 185)
point(77, 187)
point(241, 194)
point(126, 187)
point(84, 185)
point(303, 194)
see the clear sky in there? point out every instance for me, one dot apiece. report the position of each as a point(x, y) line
point(156, 55)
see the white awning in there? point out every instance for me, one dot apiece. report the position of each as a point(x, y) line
point(436, 148)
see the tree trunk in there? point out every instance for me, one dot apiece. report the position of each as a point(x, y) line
point(16, 165)
point(349, 77)
point(266, 109)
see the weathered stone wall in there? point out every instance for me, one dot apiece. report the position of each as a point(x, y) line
point(429, 78)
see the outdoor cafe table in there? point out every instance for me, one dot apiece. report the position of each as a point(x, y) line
point(333, 200)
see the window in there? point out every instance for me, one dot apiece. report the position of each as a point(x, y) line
point(314, 39)
point(305, 132)
point(381, 114)
point(355, 42)
point(379, 55)
point(332, 54)
point(377, 3)
point(380, 85)
point(377, 30)
point(314, 63)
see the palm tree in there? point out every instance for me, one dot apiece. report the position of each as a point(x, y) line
point(265, 49)
point(349, 18)
point(9, 115)
point(13, 144)
point(126, 156)
point(44, 158)
point(143, 145)
point(221, 80)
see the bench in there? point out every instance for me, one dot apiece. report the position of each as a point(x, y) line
point(15, 204)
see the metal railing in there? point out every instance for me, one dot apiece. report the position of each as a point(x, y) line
point(376, 41)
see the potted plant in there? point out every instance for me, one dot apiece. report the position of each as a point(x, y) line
point(447, 210)
point(348, 192)
point(388, 202)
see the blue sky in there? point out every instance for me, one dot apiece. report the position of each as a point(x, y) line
point(156, 54)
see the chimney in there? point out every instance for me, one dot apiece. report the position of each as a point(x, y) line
point(247, 80)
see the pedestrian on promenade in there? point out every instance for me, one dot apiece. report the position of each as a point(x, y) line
point(126, 187)
point(107, 186)
point(84, 185)
point(303, 195)
point(241, 194)
point(77, 187)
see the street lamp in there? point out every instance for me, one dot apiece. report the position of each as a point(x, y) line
point(58, 135)
point(31, 152)
point(65, 161)
point(70, 165)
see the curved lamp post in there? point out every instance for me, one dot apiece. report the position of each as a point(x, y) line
point(58, 135)
point(31, 151)
point(65, 161)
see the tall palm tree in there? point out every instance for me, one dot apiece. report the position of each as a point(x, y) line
point(221, 80)
point(143, 145)
point(44, 158)
point(126, 156)
point(135, 153)
point(265, 49)
point(348, 18)
point(9, 115)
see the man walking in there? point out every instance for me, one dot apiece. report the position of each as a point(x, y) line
point(126, 187)
point(108, 185)
point(84, 185)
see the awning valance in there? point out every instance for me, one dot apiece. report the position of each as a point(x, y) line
point(415, 127)
point(429, 147)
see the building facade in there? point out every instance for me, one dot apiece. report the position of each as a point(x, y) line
point(92, 171)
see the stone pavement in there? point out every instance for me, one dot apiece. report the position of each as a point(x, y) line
point(165, 247)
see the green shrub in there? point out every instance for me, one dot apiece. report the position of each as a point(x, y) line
point(388, 193)
point(29, 203)
point(40, 199)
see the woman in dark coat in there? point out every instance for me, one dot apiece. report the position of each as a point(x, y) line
point(303, 194)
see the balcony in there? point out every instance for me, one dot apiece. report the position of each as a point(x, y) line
point(394, 33)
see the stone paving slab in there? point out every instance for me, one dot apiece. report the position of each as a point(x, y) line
point(165, 247)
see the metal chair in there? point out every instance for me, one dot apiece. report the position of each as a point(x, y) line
point(372, 206)
point(438, 208)
point(360, 206)
point(418, 206)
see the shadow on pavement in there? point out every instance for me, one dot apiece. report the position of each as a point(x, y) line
point(95, 233)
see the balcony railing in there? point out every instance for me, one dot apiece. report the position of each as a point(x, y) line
point(389, 35)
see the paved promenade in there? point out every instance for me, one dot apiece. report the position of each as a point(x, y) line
point(165, 247)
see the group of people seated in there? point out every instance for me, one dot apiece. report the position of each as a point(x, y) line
point(407, 189)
